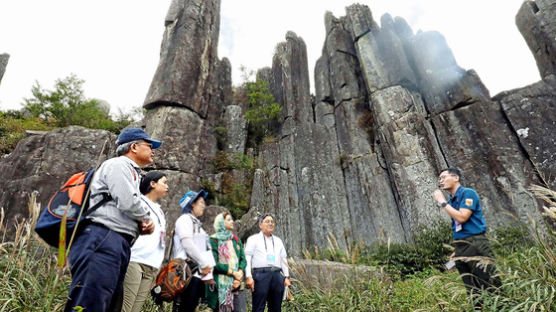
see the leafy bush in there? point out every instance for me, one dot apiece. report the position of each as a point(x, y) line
point(234, 195)
point(12, 128)
point(428, 250)
point(507, 240)
point(221, 133)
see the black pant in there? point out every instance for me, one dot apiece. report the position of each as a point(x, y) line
point(188, 300)
point(477, 275)
point(269, 287)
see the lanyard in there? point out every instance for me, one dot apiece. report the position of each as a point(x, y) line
point(264, 239)
point(154, 212)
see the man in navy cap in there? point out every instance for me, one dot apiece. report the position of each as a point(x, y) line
point(100, 253)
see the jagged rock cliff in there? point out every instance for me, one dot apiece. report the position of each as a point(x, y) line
point(357, 160)
point(393, 108)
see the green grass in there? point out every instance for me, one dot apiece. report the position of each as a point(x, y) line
point(30, 280)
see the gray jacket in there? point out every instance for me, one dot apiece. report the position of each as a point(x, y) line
point(119, 177)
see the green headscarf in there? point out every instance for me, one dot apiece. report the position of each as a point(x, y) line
point(226, 255)
point(221, 234)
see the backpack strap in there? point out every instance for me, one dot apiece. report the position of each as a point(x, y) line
point(105, 198)
point(170, 247)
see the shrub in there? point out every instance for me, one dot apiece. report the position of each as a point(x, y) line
point(428, 250)
point(12, 128)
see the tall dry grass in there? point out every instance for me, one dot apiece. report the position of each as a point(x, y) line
point(29, 278)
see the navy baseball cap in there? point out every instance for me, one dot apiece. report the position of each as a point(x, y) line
point(134, 134)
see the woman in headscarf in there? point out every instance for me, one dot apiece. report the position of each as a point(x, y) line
point(229, 270)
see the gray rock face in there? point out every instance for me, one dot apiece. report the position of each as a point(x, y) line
point(236, 126)
point(380, 51)
point(288, 66)
point(188, 57)
point(189, 142)
point(532, 113)
point(358, 161)
point(537, 23)
point(478, 140)
point(411, 152)
point(3, 63)
point(43, 162)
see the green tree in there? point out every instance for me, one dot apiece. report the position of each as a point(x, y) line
point(67, 105)
point(263, 112)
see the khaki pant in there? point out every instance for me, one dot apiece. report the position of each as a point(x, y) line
point(138, 282)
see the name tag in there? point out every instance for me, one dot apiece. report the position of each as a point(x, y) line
point(163, 239)
point(458, 226)
point(270, 258)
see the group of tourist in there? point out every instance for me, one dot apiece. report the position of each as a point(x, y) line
point(121, 245)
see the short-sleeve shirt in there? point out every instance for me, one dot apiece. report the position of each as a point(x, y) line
point(469, 199)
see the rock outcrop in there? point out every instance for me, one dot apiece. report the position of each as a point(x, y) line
point(43, 161)
point(357, 161)
point(188, 73)
point(3, 63)
point(189, 93)
point(531, 113)
point(397, 109)
point(535, 20)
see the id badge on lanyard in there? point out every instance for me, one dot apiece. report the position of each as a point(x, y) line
point(162, 239)
point(270, 257)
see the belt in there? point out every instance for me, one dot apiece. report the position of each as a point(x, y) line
point(267, 269)
point(129, 238)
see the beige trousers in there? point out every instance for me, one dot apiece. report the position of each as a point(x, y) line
point(139, 279)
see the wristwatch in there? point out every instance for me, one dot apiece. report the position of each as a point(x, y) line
point(444, 204)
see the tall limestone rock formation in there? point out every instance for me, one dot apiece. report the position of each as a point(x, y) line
point(359, 159)
point(393, 109)
point(531, 109)
point(188, 94)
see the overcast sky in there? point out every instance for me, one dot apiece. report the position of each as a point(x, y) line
point(114, 45)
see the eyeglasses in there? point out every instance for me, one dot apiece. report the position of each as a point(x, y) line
point(268, 222)
point(444, 177)
point(147, 144)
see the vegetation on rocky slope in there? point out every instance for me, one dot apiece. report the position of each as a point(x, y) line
point(62, 106)
point(30, 281)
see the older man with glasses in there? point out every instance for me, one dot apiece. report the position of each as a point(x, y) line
point(267, 272)
point(101, 252)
